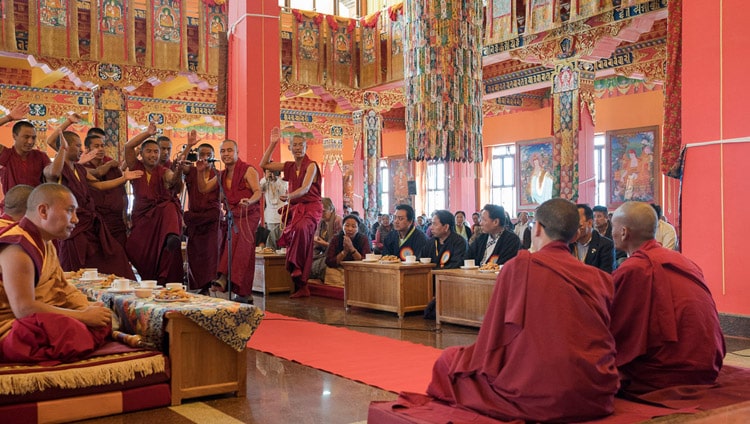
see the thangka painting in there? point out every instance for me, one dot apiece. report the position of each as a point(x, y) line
point(400, 171)
point(348, 175)
point(112, 17)
point(537, 172)
point(633, 154)
point(167, 20)
point(53, 13)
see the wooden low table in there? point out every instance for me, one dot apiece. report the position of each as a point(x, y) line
point(462, 296)
point(201, 364)
point(391, 287)
point(271, 275)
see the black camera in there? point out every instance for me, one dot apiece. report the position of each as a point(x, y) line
point(192, 156)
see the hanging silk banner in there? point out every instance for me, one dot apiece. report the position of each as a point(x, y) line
point(357, 124)
point(670, 151)
point(333, 153)
point(591, 7)
point(373, 135)
point(369, 63)
point(307, 47)
point(395, 46)
point(213, 22)
point(8, 26)
point(499, 21)
point(443, 80)
point(542, 15)
point(112, 33)
point(566, 123)
point(166, 23)
point(53, 29)
point(341, 45)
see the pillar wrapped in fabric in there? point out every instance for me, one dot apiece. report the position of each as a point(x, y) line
point(53, 28)
point(7, 26)
point(166, 45)
point(395, 47)
point(112, 31)
point(443, 80)
point(369, 51)
point(307, 47)
point(213, 23)
point(341, 45)
point(373, 138)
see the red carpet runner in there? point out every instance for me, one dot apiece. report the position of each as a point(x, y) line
point(389, 364)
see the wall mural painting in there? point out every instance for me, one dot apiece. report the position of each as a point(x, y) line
point(537, 172)
point(632, 173)
point(53, 13)
point(112, 17)
point(401, 173)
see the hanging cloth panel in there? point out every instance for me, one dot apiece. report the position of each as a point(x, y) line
point(542, 15)
point(213, 26)
point(7, 26)
point(672, 141)
point(53, 29)
point(395, 46)
point(112, 34)
point(307, 47)
point(341, 45)
point(500, 25)
point(443, 80)
point(369, 63)
point(166, 23)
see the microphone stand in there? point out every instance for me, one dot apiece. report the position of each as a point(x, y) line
point(230, 228)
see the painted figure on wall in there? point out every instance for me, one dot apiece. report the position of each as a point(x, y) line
point(111, 22)
point(632, 168)
point(540, 183)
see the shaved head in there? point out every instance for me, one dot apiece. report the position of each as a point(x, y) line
point(15, 201)
point(46, 194)
point(639, 221)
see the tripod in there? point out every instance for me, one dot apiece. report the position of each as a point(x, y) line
point(231, 228)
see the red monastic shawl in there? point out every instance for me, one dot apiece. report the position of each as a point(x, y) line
point(110, 204)
point(202, 229)
point(15, 170)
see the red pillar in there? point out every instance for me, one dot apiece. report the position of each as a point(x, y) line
point(254, 72)
point(716, 191)
point(586, 171)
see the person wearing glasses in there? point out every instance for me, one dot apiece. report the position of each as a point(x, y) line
point(590, 247)
point(544, 352)
point(495, 244)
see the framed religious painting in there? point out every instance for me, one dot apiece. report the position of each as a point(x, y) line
point(632, 172)
point(538, 171)
point(348, 174)
point(401, 172)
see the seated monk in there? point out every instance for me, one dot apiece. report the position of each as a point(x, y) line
point(544, 352)
point(42, 317)
point(664, 319)
point(15, 204)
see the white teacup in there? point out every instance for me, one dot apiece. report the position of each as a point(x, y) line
point(121, 284)
point(176, 286)
point(370, 256)
point(148, 284)
point(90, 274)
point(469, 263)
point(410, 259)
point(425, 260)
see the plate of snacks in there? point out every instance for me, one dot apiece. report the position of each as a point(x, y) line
point(490, 267)
point(172, 295)
point(390, 259)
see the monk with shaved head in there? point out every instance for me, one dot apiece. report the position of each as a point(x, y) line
point(42, 316)
point(664, 319)
point(15, 204)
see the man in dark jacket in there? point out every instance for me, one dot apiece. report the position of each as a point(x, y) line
point(589, 246)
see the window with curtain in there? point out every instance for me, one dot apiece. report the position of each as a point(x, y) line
point(503, 175)
point(385, 181)
point(436, 187)
point(600, 171)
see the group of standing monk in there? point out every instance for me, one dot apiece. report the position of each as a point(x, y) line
point(153, 243)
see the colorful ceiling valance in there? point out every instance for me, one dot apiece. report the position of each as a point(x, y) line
point(370, 60)
point(55, 27)
point(342, 46)
point(167, 26)
point(213, 25)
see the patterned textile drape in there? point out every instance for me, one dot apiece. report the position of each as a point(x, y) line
point(166, 22)
point(357, 124)
point(341, 48)
point(592, 7)
point(672, 137)
point(443, 80)
point(333, 153)
point(8, 26)
point(566, 123)
point(500, 20)
point(542, 14)
point(369, 56)
point(213, 23)
point(307, 47)
point(53, 28)
point(112, 117)
point(112, 31)
point(395, 46)
point(373, 137)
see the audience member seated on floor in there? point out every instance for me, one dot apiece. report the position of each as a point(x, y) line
point(348, 245)
point(545, 352)
point(590, 247)
point(495, 244)
point(664, 319)
point(329, 225)
point(407, 239)
point(15, 204)
point(42, 317)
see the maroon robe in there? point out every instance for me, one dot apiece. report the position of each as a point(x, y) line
point(111, 204)
point(664, 321)
point(15, 170)
point(246, 219)
point(156, 215)
point(202, 229)
point(90, 245)
point(544, 351)
point(305, 213)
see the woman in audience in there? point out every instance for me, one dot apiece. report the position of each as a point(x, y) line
point(329, 225)
point(348, 245)
point(476, 229)
point(462, 228)
point(386, 226)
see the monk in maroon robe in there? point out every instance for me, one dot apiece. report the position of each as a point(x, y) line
point(544, 351)
point(110, 204)
point(90, 245)
point(304, 211)
point(22, 163)
point(202, 221)
point(42, 317)
point(154, 244)
point(664, 319)
point(239, 182)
